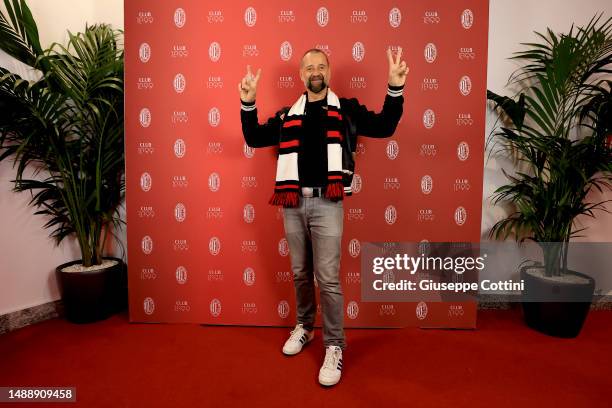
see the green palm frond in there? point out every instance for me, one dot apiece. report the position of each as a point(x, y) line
point(19, 33)
point(557, 130)
point(68, 126)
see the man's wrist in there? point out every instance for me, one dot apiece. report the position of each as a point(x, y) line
point(247, 106)
point(395, 90)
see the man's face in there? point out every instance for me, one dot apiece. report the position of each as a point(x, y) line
point(315, 72)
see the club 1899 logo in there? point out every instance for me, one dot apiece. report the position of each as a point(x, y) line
point(248, 213)
point(356, 183)
point(146, 211)
point(145, 83)
point(430, 52)
point(286, 16)
point(285, 81)
point(145, 17)
point(322, 16)
point(286, 50)
point(426, 184)
point(392, 150)
point(359, 16)
point(249, 308)
point(463, 151)
point(214, 51)
point(358, 82)
point(421, 310)
point(352, 310)
point(145, 117)
point(283, 247)
point(181, 275)
point(214, 116)
point(148, 306)
point(248, 151)
point(455, 310)
point(215, 307)
point(144, 52)
point(358, 51)
point(146, 181)
point(214, 246)
point(430, 84)
point(180, 212)
point(180, 148)
point(464, 119)
point(214, 147)
point(460, 216)
point(179, 117)
point(461, 184)
point(465, 85)
point(214, 182)
point(354, 248)
point(431, 17)
point(180, 18)
point(395, 17)
point(146, 244)
point(388, 276)
point(179, 83)
point(250, 16)
point(391, 183)
point(428, 150)
point(390, 215)
point(386, 310)
point(215, 16)
point(248, 277)
point(283, 309)
point(467, 19)
point(325, 48)
point(429, 119)
point(466, 53)
point(424, 247)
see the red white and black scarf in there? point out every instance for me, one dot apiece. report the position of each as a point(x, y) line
point(286, 190)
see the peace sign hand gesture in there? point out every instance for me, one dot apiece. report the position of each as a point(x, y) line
point(248, 85)
point(397, 68)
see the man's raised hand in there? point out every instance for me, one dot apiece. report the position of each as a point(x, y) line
point(397, 68)
point(248, 85)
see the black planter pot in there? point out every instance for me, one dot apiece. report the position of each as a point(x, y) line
point(91, 296)
point(556, 308)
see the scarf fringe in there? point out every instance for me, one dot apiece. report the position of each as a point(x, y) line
point(289, 199)
point(334, 191)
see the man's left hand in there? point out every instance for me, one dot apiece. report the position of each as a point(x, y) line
point(397, 68)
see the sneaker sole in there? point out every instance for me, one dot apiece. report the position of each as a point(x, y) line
point(328, 383)
point(298, 352)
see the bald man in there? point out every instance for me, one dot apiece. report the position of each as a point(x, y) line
point(316, 139)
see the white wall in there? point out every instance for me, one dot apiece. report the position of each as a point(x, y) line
point(512, 23)
point(28, 257)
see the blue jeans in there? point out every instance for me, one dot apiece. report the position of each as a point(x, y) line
point(314, 234)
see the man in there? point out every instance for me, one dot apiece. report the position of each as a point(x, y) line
point(316, 138)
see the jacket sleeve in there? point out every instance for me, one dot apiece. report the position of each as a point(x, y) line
point(377, 125)
point(259, 135)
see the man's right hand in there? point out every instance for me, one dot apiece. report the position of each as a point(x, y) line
point(248, 85)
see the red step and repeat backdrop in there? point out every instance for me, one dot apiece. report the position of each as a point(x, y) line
point(204, 246)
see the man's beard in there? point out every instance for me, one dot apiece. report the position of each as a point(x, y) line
point(316, 88)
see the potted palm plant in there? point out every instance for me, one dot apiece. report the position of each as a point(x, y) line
point(558, 130)
point(67, 127)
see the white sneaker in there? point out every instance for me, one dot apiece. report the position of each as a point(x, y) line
point(331, 370)
point(298, 339)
